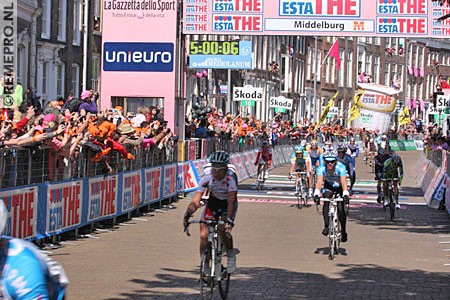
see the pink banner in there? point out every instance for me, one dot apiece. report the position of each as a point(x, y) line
point(138, 63)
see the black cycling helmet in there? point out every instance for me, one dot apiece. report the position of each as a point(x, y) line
point(219, 158)
point(342, 148)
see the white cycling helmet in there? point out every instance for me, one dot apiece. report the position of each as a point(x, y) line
point(330, 155)
point(3, 216)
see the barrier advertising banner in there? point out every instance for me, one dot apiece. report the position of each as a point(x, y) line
point(152, 184)
point(312, 17)
point(377, 105)
point(131, 191)
point(170, 180)
point(102, 197)
point(64, 206)
point(22, 205)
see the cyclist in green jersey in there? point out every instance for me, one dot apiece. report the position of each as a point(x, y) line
point(392, 168)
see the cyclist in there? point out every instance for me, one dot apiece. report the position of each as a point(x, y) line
point(378, 160)
point(353, 151)
point(27, 273)
point(222, 202)
point(301, 164)
point(392, 168)
point(331, 179)
point(347, 161)
point(315, 153)
point(264, 157)
point(371, 149)
point(382, 141)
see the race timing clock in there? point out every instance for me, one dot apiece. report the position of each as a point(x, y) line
point(214, 47)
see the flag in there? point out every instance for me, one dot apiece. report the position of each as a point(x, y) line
point(325, 111)
point(404, 117)
point(356, 107)
point(334, 53)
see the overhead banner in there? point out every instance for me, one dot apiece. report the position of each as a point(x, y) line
point(377, 105)
point(316, 17)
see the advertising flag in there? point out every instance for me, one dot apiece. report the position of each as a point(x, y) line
point(356, 108)
point(404, 117)
point(327, 108)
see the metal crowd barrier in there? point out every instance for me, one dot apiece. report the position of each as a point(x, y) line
point(30, 165)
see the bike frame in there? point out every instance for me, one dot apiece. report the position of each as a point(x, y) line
point(390, 194)
point(334, 234)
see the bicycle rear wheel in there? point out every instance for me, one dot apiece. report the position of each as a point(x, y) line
point(207, 280)
point(224, 284)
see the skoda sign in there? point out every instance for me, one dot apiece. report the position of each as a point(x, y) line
point(281, 102)
point(247, 92)
point(138, 57)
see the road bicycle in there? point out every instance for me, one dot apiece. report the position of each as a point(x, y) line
point(261, 177)
point(212, 272)
point(334, 233)
point(301, 186)
point(390, 196)
point(371, 160)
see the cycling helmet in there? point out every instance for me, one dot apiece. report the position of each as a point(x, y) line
point(352, 140)
point(220, 158)
point(342, 148)
point(381, 151)
point(371, 140)
point(330, 155)
point(383, 137)
point(303, 143)
point(314, 144)
point(3, 216)
point(265, 143)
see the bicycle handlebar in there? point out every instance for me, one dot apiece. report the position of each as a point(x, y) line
point(389, 179)
point(332, 199)
point(207, 222)
point(298, 173)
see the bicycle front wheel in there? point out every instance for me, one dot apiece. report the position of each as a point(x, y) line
point(392, 207)
point(331, 239)
point(206, 277)
point(224, 284)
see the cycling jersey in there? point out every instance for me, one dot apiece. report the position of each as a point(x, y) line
point(300, 165)
point(379, 164)
point(347, 161)
point(29, 274)
point(315, 155)
point(392, 165)
point(305, 156)
point(372, 147)
point(332, 178)
point(218, 188)
point(264, 155)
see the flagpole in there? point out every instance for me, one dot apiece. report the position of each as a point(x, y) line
point(328, 53)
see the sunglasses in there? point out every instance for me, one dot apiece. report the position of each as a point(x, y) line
point(218, 169)
point(331, 162)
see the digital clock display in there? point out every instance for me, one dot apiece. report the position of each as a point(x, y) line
point(214, 47)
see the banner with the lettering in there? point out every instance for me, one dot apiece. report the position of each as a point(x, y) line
point(170, 181)
point(130, 191)
point(24, 214)
point(187, 179)
point(101, 196)
point(63, 208)
point(152, 185)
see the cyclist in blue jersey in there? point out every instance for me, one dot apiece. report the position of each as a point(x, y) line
point(332, 179)
point(27, 273)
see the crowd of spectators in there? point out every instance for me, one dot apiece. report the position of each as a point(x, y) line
point(70, 126)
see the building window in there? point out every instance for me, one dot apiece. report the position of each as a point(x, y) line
point(95, 72)
point(341, 71)
point(62, 20)
point(60, 70)
point(349, 71)
point(76, 22)
point(44, 77)
point(376, 69)
point(46, 19)
point(76, 80)
point(97, 15)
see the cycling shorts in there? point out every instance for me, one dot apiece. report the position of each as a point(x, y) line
point(214, 213)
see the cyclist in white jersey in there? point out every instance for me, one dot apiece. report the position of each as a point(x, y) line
point(221, 185)
point(27, 273)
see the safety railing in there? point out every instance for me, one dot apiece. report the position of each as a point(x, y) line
point(31, 165)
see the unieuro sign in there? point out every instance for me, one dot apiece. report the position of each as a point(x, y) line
point(139, 57)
